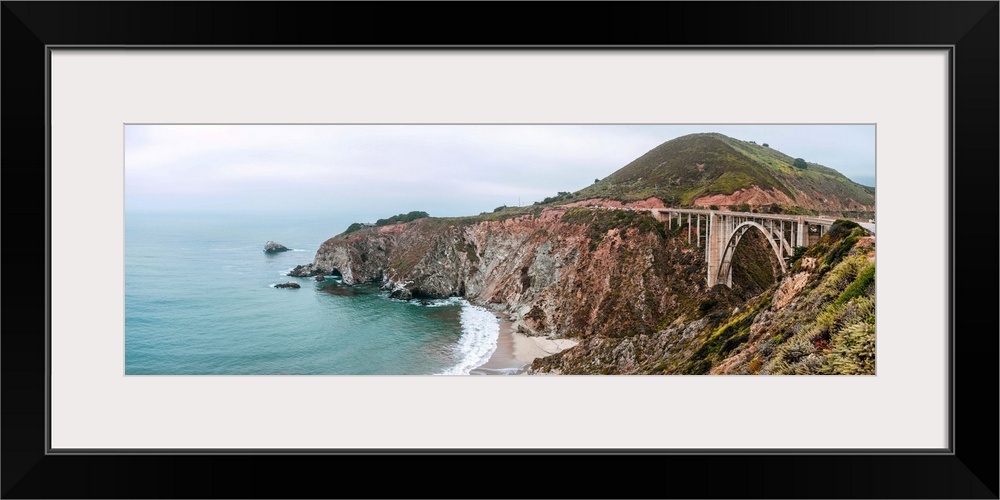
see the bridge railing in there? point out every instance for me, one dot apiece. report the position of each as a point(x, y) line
point(810, 219)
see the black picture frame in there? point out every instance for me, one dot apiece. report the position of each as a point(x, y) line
point(970, 29)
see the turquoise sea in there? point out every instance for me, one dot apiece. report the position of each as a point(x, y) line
point(199, 300)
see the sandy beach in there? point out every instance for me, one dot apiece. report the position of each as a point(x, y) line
point(515, 351)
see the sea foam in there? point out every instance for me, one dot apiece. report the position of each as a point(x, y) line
point(480, 332)
point(450, 301)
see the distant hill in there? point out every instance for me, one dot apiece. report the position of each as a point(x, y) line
point(714, 169)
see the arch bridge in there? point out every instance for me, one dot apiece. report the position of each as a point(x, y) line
point(720, 232)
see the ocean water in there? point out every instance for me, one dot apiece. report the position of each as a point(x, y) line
point(199, 300)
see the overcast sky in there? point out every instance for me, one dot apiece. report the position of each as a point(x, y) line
point(366, 172)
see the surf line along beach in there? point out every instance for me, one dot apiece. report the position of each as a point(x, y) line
point(515, 351)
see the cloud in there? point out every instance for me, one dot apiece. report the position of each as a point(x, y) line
point(457, 169)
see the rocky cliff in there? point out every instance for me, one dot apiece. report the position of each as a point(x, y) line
point(631, 289)
point(565, 271)
point(817, 319)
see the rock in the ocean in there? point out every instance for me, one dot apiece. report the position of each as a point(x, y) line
point(401, 294)
point(339, 290)
point(274, 247)
point(301, 271)
point(290, 284)
point(320, 277)
point(305, 271)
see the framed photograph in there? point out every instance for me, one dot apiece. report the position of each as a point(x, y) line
point(269, 244)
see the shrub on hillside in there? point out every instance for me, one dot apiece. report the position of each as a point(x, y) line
point(402, 218)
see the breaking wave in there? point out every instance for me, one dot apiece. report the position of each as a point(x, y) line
point(480, 332)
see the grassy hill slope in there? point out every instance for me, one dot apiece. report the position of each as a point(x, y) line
point(689, 169)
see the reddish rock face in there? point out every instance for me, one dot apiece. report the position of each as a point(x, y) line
point(756, 197)
point(554, 277)
point(818, 319)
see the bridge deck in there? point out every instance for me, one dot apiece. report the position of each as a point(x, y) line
point(808, 219)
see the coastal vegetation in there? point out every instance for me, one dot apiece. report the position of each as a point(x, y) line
point(395, 219)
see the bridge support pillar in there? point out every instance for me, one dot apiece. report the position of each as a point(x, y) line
point(698, 232)
point(714, 247)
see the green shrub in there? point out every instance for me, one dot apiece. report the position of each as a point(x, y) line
point(853, 351)
point(560, 196)
point(840, 276)
point(861, 285)
point(707, 305)
point(402, 218)
point(725, 339)
point(798, 252)
point(353, 227)
point(841, 228)
point(841, 250)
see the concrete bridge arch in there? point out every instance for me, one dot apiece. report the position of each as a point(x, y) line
point(720, 232)
point(725, 267)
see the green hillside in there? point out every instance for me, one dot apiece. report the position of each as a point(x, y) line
point(682, 170)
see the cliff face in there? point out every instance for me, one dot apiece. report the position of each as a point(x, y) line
point(632, 290)
point(817, 319)
point(572, 272)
